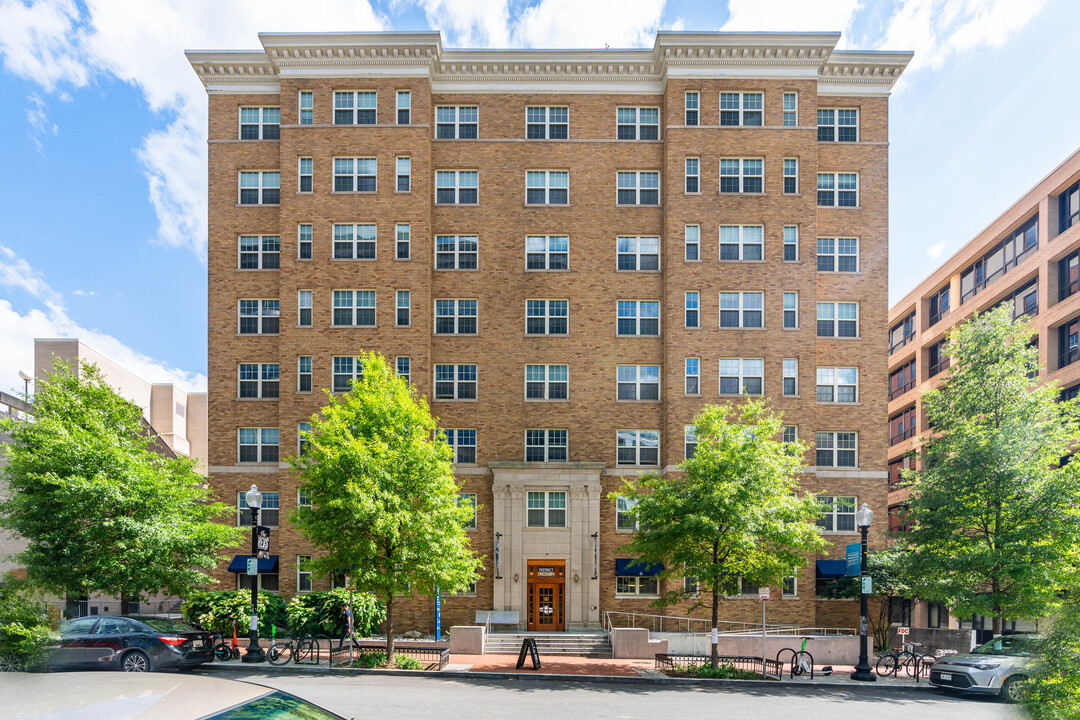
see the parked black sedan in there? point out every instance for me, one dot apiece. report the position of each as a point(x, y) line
point(131, 644)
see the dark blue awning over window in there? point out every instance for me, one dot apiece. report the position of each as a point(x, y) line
point(831, 568)
point(629, 567)
point(266, 565)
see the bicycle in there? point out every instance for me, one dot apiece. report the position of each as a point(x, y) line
point(222, 650)
point(913, 662)
point(802, 662)
point(281, 651)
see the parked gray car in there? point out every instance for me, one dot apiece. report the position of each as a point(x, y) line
point(998, 667)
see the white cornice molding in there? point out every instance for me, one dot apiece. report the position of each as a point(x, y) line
point(862, 73)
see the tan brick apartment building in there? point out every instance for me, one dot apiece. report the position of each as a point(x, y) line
point(1029, 257)
point(569, 253)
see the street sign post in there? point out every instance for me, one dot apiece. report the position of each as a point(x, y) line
point(438, 615)
point(252, 566)
point(903, 631)
point(867, 585)
point(763, 595)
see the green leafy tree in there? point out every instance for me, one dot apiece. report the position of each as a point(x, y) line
point(101, 508)
point(1054, 691)
point(385, 504)
point(888, 572)
point(24, 627)
point(221, 610)
point(732, 512)
point(995, 522)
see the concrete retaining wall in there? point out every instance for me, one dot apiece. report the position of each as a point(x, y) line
point(827, 650)
point(934, 639)
point(635, 644)
point(467, 639)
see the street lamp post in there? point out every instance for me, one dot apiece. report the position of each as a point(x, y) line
point(863, 518)
point(254, 653)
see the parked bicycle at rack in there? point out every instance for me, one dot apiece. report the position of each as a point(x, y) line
point(304, 649)
point(913, 662)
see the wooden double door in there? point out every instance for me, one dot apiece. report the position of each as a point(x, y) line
point(546, 595)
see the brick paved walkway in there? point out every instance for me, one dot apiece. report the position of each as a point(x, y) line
point(553, 665)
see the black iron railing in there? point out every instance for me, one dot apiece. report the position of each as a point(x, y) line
point(902, 435)
point(674, 663)
point(433, 657)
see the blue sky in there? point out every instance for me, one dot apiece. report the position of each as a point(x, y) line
point(102, 132)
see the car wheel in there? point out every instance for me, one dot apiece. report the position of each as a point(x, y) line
point(1012, 690)
point(135, 661)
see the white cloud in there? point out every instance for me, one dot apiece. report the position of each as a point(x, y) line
point(84, 293)
point(791, 16)
point(936, 250)
point(39, 121)
point(470, 23)
point(577, 24)
point(36, 42)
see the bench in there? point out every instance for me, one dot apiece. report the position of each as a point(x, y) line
point(487, 618)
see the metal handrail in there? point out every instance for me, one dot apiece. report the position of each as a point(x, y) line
point(795, 630)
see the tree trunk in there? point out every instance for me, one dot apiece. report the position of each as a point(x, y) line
point(125, 604)
point(389, 629)
point(997, 625)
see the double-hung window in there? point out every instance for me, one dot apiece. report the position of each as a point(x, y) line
point(692, 239)
point(303, 373)
point(638, 317)
point(355, 174)
point(838, 189)
point(693, 310)
point(354, 107)
point(791, 109)
point(742, 242)
point(404, 308)
point(838, 319)
point(838, 125)
point(463, 444)
point(635, 586)
point(837, 513)
point(307, 107)
point(838, 254)
point(302, 441)
point(404, 174)
point(403, 365)
point(546, 509)
point(624, 513)
point(791, 176)
point(258, 380)
point(693, 107)
point(260, 187)
point(268, 511)
point(547, 382)
point(258, 445)
point(638, 253)
point(791, 310)
point(469, 500)
point(354, 241)
point(455, 317)
point(790, 434)
point(456, 122)
point(547, 123)
point(741, 376)
point(838, 384)
point(455, 382)
point(638, 123)
point(638, 187)
point(403, 235)
point(404, 107)
point(836, 449)
point(547, 187)
point(260, 123)
point(547, 252)
point(303, 573)
point(742, 108)
point(742, 309)
point(791, 376)
point(305, 175)
point(260, 252)
point(456, 252)
point(638, 382)
point(456, 187)
point(304, 241)
point(692, 372)
point(546, 317)
point(259, 317)
point(693, 175)
point(742, 175)
point(689, 441)
point(545, 446)
point(638, 447)
point(346, 370)
point(791, 243)
point(354, 308)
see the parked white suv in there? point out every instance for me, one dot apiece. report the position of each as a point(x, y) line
point(997, 667)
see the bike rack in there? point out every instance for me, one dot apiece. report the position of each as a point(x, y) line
point(794, 658)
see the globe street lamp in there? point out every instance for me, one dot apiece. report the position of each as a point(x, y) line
point(254, 653)
point(863, 518)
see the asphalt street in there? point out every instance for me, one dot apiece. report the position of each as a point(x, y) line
point(365, 696)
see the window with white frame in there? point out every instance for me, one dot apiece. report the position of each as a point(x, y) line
point(693, 175)
point(457, 187)
point(264, 582)
point(638, 447)
point(258, 445)
point(403, 365)
point(691, 587)
point(838, 189)
point(304, 305)
point(791, 376)
point(260, 252)
point(307, 107)
point(837, 513)
point(638, 187)
point(455, 317)
point(456, 252)
point(791, 175)
point(404, 174)
point(355, 107)
point(791, 109)
point(742, 242)
point(689, 441)
point(304, 241)
point(303, 373)
point(469, 500)
point(638, 253)
point(692, 239)
point(693, 310)
point(258, 380)
point(455, 382)
point(693, 107)
point(838, 125)
point(259, 317)
point(741, 376)
point(269, 510)
point(303, 497)
point(633, 586)
point(404, 308)
point(547, 382)
point(404, 107)
point(354, 308)
point(742, 309)
point(546, 317)
point(838, 319)
point(789, 586)
point(547, 252)
point(403, 235)
point(303, 573)
point(742, 175)
point(346, 369)
point(836, 449)
point(454, 122)
point(638, 317)
point(463, 444)
point(742, 108)
point(838, 384)
point(547, 187)
point(546, 509)
point(790, 434)
point(260, 123)
point(624, 513)
point(838, 254)
point(545, 445)
point(637, 123)
point(305, 174)
point(638, 382)
point(791, 310)
point(791, 243)
point(356, 174)
point(692, 371)
point(747, 588)
point(547, 123)
point(260, 187)
point(354, 241)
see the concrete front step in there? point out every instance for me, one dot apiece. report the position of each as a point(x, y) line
point(580, 644)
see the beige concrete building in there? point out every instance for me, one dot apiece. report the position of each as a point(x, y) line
point(569, 253)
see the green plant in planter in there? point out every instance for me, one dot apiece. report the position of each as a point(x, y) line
point(324, 612)
point(217, 610)
point(407, 662)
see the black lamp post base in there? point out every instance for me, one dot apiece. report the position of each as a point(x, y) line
point(864, 675)
point(257, 656)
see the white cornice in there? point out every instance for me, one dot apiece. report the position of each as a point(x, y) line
point(862, 73)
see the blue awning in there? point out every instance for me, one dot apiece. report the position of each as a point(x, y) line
point(629, 567)
point(831, 568)
point(266, 565)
